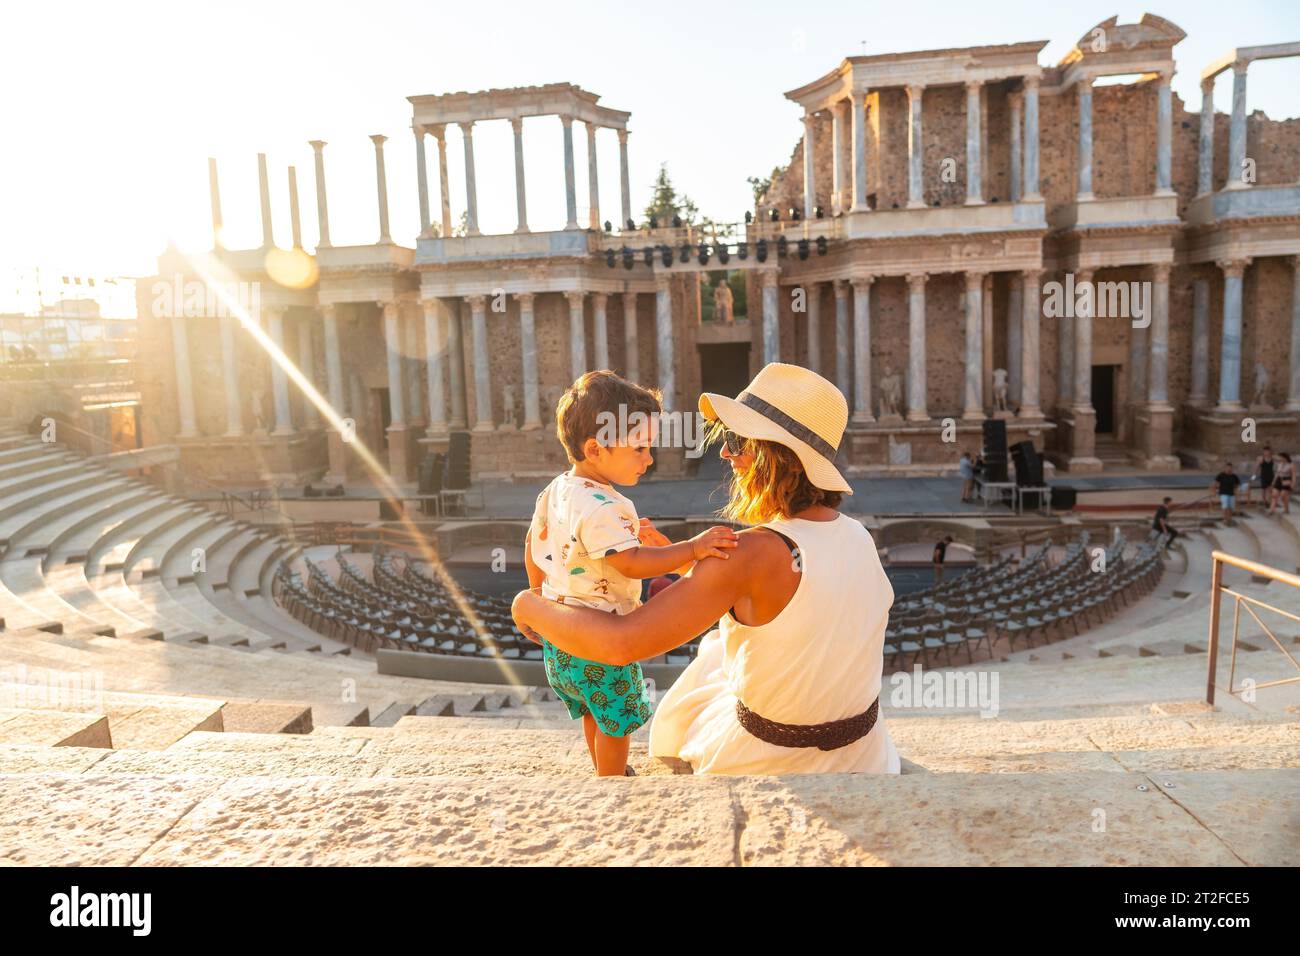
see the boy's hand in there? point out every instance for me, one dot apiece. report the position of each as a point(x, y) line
point(652, 537)
point(717, 542)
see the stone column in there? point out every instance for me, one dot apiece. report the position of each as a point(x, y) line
point(1015, 101)
point(570, 190)
point(334, 388)
point(809, 180)
point(1083, 345)
point(1084, 88)
point(1164, 136)
point(482, 377)
point(1014, 341)
point(1158, 385)
point(1138, 360)
point(814, 293)
point(631, 350)
point(1205, 141)
point(456, 366)
point(1293, 391)
point(1230, 351)
point(916, 409)
point(230, 377)
point(307, 366)
point(434, 353)
point(322, 208)
point(1237, 131)
point(264, 192)
point(974, 404)
point(1031, 193)
point(664, 341)
point(393, 348)
point(837, 159)
point(915, 150)
point(624, 183)
point(440, 134)
point(471, 185)
point(381, 181)
point(1029, 346)
point(184, 379)
point(214, 197)
point(862, 350)
point(974, 164)
point(1064, 363)
point(295, 223)
point(858, 104)
point(577, 333)
point(422, 179)
point(521, 199)
point(843, 367)
point(771, 318)
point(601, 330)
point(528, 348)
point(1200, 387)
point(279, 380)
point(593, 182)
point(411, 369)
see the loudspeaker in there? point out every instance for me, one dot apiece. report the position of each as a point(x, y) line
point(1063, 498)
point(1029, 467)
point(995, 450)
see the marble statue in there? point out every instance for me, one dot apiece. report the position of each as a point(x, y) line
point(723, 303)
point(1260, 397)
point(509, 418)
point(1000, 389)
point(891, 394)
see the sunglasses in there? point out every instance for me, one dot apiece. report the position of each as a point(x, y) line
point(735, 443)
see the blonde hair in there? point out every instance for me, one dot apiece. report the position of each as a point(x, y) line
point(774, 486)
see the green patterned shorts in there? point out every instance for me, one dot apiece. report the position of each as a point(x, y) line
point(613, 695)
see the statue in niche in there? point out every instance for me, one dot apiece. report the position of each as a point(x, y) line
point(1000, 390)
point(1260, 397)
point(891, 394)
point(509, 418)
point(723, 302)
point(258, 404)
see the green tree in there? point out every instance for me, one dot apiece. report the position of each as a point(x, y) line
point(666, 201)
point(761, 186)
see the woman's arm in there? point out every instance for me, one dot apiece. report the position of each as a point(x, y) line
point(693, 606)
point(535, 574)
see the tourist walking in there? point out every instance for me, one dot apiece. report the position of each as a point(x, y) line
point(966, 469)
point(940, 552)
point(1283, 480)
point(1161, 523)
point(1226, 483)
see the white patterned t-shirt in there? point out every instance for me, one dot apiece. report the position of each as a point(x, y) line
point(577, 523)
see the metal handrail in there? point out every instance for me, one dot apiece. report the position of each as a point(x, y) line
point(1217, 589)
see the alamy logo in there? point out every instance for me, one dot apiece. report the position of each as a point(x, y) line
point(102, 909)
point(1099, 300)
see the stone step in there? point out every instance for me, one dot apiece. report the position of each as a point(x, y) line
point(53, 728)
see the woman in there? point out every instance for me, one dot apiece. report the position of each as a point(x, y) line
point(1283, 479)
point(789, 681)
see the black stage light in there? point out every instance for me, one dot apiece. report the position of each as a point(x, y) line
point(649, 255)
point(654, 222)
point(685, 253)
point(749, 217)
point(760, 250)
point(819, 212)
point(631, 226)
point(773, 216)
point(627, 258)
point(821, 245)
point(795, 214)
point(936, 204)
point(782, 247)
point(724, 254)
point(609, 258)
point(677, 222)
point(803, 248)
point(704, 254)
point(666, 255)
point(742, 250)
point(609, 227)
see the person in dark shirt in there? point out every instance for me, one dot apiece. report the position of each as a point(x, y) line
point(1226, 482)
point(1162, 525)
point(940, 551)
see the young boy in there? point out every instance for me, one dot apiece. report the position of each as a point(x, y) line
point(584, 546)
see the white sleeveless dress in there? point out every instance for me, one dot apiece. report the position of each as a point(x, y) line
point(819, 659)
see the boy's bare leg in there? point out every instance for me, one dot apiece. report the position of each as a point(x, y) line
point(589, 731)
point(611, 755)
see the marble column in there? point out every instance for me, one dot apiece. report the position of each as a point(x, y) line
point(264, 193)
point(435, 349)
point(570, 189)
point(1205, 141)
point(307, 366)
point(814, 323)
point(974, 163)
point(440, 134)
point(837, 158)
point(230, 377)
point(521, 192)
point(809, 179)
point(771, 318)
point(295, 224)
point(184, 378)
point(422, 178)
point(483, 421)
point(334, 393)
point(843, 365)
point(973, 409)
point(322, 208)
point(1230, 351)
point(1237, 131)
point(528, 348)
point(664, 341)
point(601, 329)
point(381, 181)
point(279, 380)
point(631, 349)
point(916, 408)
point(858, 105)
point(214, 197)
point(1015, 102)
point(1293, 390)
point(393, 349)
point(1200, 387)
point(577, 333)
point(624, 183)
point(1015, 342)
point(1084, 89)
point(1164, 136)
point(411, 352)
point(1083, 344)
point(862, 350)
point(1029, 345)
point(1064, 363)
point(915, 149)
point(471, 185)
point(1031, 193)
point(456, 365)
point(593, 183)
point(1138, 360)
point(1158, 383)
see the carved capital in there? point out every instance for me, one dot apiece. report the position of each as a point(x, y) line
point(916, 281)
point(477, 303)
point(525, 300)
point(576, 299)
point(1233, 268)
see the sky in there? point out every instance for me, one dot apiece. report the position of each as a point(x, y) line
point(111, 110)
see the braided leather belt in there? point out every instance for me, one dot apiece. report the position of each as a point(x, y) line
point(828, 736)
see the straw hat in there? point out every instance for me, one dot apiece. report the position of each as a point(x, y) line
point(792, 406)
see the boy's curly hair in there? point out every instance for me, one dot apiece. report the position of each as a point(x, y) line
point(577, 415)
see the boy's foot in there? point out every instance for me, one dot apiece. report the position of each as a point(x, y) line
point(628, 771)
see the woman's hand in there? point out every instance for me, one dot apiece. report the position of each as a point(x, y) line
point(652, 537)
point(519, 609)
point(717, 542)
